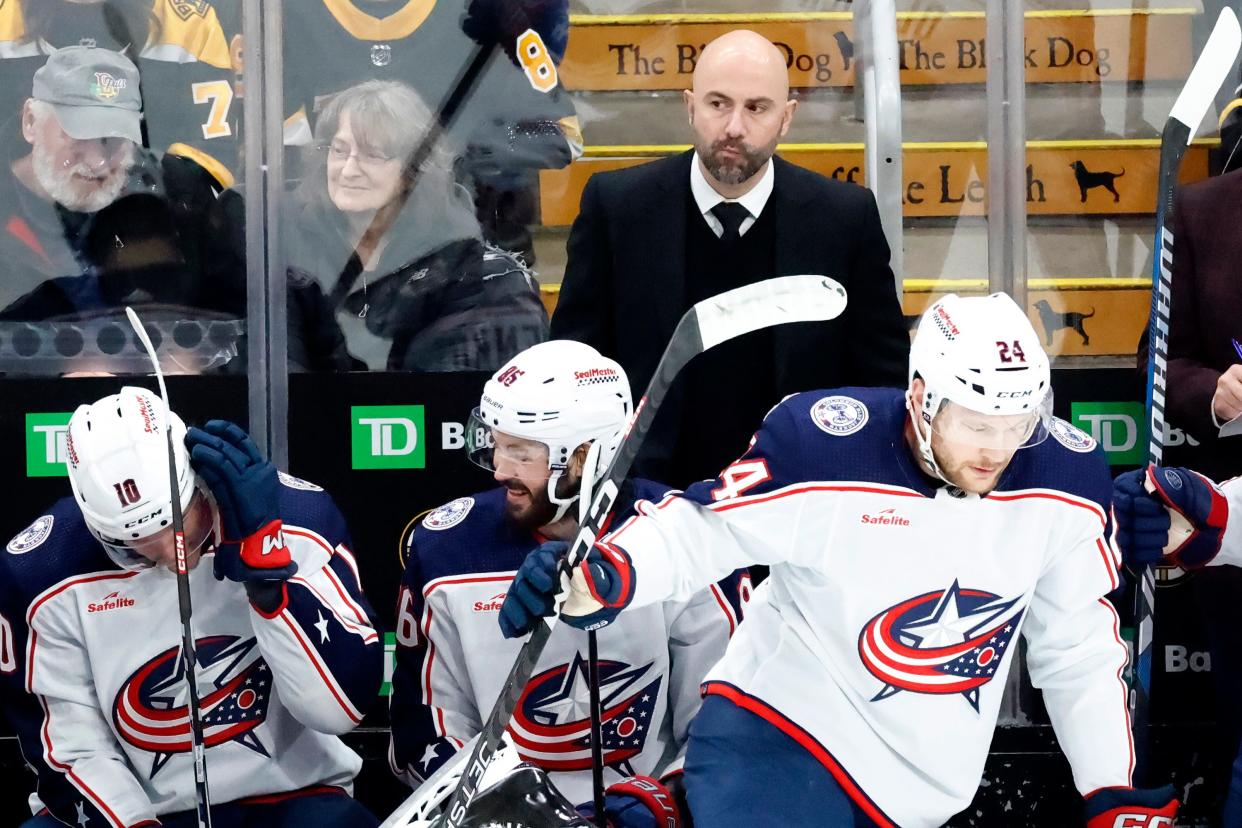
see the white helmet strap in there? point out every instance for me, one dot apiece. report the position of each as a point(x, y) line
point(562, 503)
point(924, 438)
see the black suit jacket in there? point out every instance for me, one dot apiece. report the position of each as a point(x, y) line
point(625, 285)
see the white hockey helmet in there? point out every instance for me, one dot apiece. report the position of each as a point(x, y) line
point(118, 468)
point(561, 394)
point(982, 354)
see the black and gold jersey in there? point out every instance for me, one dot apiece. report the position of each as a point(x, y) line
point(507, 122)
point(183, 59)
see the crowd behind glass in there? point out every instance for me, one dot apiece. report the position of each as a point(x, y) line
point(391, 265)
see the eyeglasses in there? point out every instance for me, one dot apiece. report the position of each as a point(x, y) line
point(340, 152)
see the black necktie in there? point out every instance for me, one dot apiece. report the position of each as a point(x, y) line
point(731, 215)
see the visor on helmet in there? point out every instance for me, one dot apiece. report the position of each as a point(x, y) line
point(529, 459)
point(957, 424)
point(144, 553)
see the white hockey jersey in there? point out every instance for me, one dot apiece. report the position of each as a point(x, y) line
point(883, 637)
point(91, 679)
point(452, 660)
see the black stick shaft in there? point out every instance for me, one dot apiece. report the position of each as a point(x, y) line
point(188, 657)
point(597, 736)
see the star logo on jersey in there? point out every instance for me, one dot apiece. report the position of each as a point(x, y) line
point(552, 725)
point(151, 710)
point(940, 643)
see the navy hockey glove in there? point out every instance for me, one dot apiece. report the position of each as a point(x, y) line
point(637, 802)
point(600, 588)
point(1143, 524)
point(502, 22)
point(245, 487)
point(532, 594)
point(1132, 808)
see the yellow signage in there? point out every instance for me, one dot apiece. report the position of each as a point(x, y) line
point(942, 179)
point(1074, 317)
point(1087, 46)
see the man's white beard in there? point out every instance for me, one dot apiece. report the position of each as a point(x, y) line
point(57, 181)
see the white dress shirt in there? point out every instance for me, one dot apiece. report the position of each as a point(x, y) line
point(706, 197)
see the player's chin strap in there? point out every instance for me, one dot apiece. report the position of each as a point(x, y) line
point(563, 503)
point(918, 419)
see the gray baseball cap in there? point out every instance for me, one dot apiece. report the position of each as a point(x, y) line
point(93, 91)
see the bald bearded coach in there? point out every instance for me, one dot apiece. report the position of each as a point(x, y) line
point(652, 240)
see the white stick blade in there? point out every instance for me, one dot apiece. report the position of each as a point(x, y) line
point(1209, 72)
point(770, 302)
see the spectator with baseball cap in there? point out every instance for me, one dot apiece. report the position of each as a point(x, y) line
point(91, 220)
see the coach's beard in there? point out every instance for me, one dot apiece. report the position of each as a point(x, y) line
point(734, 171)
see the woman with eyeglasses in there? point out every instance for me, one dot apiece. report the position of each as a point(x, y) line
point(387, 266)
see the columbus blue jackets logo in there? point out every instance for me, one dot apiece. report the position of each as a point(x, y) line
point(839, 416)
point(298, 483)
point(450, 514)
point(151, 710)
point(940, 643)
point(32, 536)
point(552, 725)
point(1072, 438)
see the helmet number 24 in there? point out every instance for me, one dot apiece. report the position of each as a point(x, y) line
point(1009, 351)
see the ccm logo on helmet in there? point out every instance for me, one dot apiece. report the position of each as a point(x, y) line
point(1014, 395)
point(1142, 821)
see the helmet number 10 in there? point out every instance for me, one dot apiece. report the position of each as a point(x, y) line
point(1009, 351)
point(127, 492)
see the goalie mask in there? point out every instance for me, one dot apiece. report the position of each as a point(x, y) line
point(561, 394)
point(987, 381)
point(118, 469)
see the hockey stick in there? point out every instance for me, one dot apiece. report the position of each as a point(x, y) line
point(201, 793)
point(1209, 72)
point(704, 326)
point(586, 494)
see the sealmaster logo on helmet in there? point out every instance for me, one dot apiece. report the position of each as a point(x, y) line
point(596, 375)
point(147, 412)
point(945, 323)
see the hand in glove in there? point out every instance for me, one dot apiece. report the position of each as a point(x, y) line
point(598, 590)
point(245, 487)
point(502, 22)
point(1199, 514)
point(637, 802)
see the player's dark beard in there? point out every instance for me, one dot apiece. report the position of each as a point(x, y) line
point(734, 172)
point(539, 512)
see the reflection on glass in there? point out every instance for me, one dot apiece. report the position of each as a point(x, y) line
point(93, 221)
point(506, 128)
point(387, 265)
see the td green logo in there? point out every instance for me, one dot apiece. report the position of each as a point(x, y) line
point(387, 437)
point(1119, 427)
point(45, 444)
